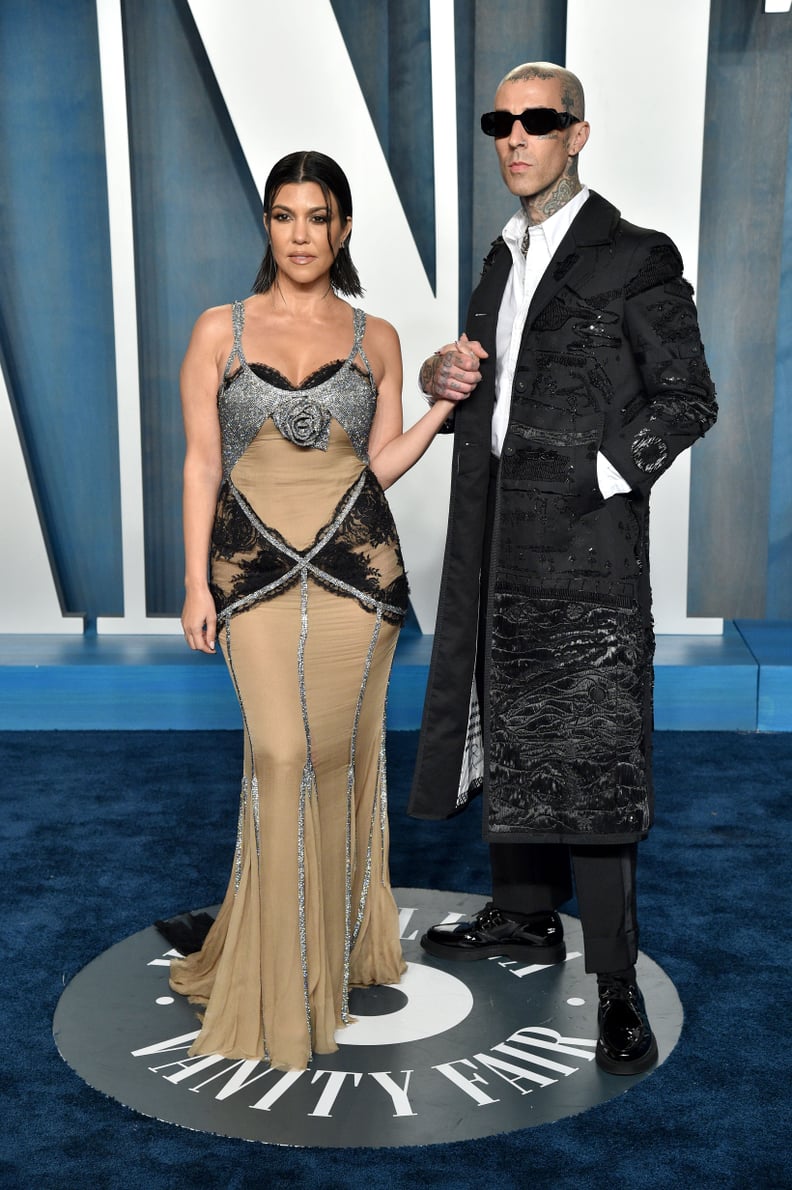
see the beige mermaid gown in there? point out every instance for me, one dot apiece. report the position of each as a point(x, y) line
point(308, 579)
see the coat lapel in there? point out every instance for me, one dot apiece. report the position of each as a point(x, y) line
point(474, 416)
point(572, 263)
point(485, 301)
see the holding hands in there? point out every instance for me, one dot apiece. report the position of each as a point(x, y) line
point(452, 373)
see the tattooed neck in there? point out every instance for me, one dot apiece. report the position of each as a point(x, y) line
point(539, 207)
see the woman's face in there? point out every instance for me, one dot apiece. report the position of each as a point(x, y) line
point(305, 235)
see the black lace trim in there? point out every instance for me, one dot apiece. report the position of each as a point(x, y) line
point(321, 375)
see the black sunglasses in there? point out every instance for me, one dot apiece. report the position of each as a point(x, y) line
point(537, 121)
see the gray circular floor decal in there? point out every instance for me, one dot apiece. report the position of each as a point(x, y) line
point(454, 1051)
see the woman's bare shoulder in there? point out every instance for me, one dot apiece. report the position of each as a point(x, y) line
point(380, 334)
point(215, 321)
point(213, 333)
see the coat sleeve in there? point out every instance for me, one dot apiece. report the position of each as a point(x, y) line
point(676, 404)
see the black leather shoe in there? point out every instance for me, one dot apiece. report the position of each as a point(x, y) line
point(490, 933)
point(626, 1042)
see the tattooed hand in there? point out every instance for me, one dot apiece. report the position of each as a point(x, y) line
point(452, 372)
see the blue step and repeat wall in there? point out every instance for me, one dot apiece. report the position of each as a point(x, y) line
point(135, 137)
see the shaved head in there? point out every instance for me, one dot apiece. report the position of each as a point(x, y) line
point(571, 86)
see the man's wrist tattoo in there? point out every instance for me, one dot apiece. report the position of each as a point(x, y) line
point(427, 374)
point(435, 373)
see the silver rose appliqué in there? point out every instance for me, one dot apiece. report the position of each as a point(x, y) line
point(304, 422)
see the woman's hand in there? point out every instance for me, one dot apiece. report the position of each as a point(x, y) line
point(452, 373)
point(199, 621)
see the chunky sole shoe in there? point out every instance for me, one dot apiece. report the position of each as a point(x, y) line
point(490, 933)
point(626, 1043)
point(625, 1065)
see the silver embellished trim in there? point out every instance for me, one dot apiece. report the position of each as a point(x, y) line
point(303, 562)
point(301, 667)
point(238, 322)
point(243, 798)
point(350, 932)
point(382, 786)
point(307, 788)
point(250, 789)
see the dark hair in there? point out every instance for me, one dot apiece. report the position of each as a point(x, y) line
point(310, 166)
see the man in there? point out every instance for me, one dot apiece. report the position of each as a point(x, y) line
point(583, 357)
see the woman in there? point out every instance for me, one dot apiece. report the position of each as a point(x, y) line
point(287, 458)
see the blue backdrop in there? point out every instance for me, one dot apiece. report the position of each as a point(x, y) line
point(193, 196)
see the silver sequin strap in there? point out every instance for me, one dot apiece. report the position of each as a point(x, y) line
point(238, 320)
point(359, 323)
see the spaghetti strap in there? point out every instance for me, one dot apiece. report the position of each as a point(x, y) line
point(357, 347)
point(238, 319)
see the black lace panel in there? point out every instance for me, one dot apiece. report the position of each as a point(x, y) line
point(367, 530)
point(570, 698)
point(251, 566)
point(242, 561)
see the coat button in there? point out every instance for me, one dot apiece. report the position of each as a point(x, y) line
point(520, 386)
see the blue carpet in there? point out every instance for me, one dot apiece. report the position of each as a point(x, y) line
point(105, 831)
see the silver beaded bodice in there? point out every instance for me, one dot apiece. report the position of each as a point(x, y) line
point(245, 401)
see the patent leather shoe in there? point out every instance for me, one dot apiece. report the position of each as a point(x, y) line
point(626, 1042)
point(540, 939)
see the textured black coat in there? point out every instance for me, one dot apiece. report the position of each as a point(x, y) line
point(561, 642)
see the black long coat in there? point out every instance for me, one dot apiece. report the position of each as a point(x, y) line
point(545, 605)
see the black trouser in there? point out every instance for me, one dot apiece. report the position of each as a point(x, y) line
point(537, 877)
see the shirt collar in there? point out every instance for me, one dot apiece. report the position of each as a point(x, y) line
point(553, 229)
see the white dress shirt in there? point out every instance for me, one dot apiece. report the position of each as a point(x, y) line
point(526, 273)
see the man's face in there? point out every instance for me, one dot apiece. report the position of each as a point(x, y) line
point(532, 165)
